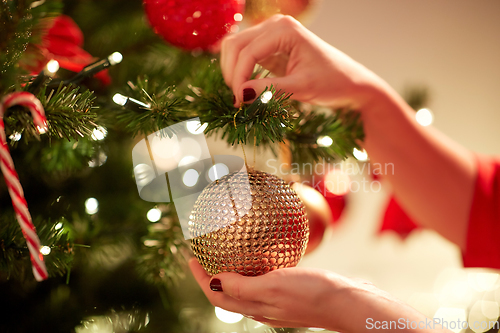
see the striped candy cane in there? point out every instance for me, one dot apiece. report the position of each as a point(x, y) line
point(12, 179)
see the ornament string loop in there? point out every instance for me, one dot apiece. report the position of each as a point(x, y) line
point(235, 127)
point(12, 179)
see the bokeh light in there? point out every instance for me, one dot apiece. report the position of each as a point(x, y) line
point(195, 127)
point(424, 117)
point(52, 66)
point(154, 215)
point(190, 177)
point(217, 171)
point(324, 141)
point(360, 155)
point(45, 250)
point(99, 133)
point(227, 317)
point(337, 182)
point(115, 58)
point(91, 206)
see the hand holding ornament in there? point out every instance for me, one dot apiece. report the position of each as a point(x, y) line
point(303, 297)
point(303, 64)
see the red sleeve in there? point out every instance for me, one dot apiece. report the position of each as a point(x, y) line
point(483, 235)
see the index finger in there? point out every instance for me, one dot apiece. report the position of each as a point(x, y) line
point(232, 45)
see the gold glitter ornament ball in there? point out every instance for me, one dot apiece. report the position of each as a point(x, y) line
point(249, 223)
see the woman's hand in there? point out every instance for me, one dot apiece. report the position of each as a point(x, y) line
point(300, 297)
point(290, 297)
point(303, 64)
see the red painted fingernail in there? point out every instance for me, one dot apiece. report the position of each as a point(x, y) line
point(215, 285)
point(248, 94)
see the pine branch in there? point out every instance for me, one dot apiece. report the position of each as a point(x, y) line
point(57, 160)
point(211, 100)
point(343, 127)
point(165, 109)
point(161, 261)
point(69, 113)
point(271, 118)
point(266, 121)
point(14, 254)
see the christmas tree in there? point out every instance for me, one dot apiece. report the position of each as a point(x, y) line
point(107, 264)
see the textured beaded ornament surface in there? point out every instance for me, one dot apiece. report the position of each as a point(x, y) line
point(249, 223)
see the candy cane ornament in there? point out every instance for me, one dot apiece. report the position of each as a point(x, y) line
point(12, 179)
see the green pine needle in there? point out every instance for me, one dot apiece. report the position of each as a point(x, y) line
point(14, 254)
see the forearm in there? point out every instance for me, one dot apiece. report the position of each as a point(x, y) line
point(367, 309)
point(431, 176)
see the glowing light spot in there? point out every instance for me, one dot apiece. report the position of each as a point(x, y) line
point(448, 315)
point(195, 127)
point(99, 133)
point(217, 171)
point(52, 66)
point(238, 17)
point(98, 160)
point(197, 14)
point(424, 117)
point(192, 146)
point(58, 226)
point(41, 130)
point(324, 141)
point(16, 136)
point(45, 250)
point(266, 96)
point(190, 177)
point(234, 29)
point(360, 155)
point(144, 174)
point(101, 324)
point(151, 242)
point(483, 315)
point(91, 206)
point(337, 182)
point(195, 33)
point(186, 160)
point(120, 99)
point(165, 147)
point(486, 281)
point(227, 317)
point(154, 215)
point(115, 58)
point(490, 309)
point(482, 281)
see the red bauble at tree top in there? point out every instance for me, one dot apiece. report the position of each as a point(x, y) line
point(193, 24)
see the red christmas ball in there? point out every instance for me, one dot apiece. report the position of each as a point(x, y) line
point(318, 213)
point(193, 24)
point(334, 186)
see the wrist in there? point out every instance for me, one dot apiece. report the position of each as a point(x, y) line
point(365, 308)
point(353, 303)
